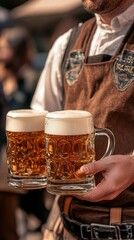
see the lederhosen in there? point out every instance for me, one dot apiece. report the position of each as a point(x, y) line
point(104, 87)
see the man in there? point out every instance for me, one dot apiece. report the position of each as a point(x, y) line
point(98, 77)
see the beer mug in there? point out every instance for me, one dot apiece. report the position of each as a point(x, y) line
point(70, 136)
point(26, 148)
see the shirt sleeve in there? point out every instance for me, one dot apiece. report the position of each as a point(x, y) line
point(49, 91)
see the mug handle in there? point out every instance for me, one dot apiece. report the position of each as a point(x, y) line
point(111, 139)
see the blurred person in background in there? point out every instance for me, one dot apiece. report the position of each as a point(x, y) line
point(18, 80)
point(8, 201)
point(16, 73)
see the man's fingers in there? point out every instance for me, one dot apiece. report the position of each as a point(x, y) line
point(93, 168)
point(99, 193)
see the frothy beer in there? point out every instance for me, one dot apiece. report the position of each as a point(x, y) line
point(69, 144)
point(25, 146)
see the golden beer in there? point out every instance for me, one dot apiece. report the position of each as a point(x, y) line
point(26, 149)
point(70, 137)
point(67, 154)
point(69, 144)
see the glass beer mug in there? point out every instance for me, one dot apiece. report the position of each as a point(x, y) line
point(26, 148)
point(70, 136)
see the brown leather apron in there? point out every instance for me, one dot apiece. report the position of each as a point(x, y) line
point(106, 89)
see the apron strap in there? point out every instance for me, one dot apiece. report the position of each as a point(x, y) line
point(115, 215)
point(67, 204)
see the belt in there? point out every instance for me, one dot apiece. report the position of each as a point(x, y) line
point(93, 231)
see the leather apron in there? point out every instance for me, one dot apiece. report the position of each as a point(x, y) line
point(106, 89)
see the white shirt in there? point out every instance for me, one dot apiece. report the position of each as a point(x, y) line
point(106, 40)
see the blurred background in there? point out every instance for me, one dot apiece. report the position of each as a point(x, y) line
point(45, 20)
point(28, 29)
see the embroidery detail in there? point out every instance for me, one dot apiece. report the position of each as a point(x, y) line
point(73, 66)
point(124, 70)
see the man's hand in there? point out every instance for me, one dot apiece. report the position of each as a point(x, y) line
point(118, 174)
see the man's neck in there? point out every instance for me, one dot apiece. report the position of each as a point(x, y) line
point(107, 17)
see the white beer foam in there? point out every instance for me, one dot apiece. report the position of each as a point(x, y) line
point(25, 120)
point(69, 122)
